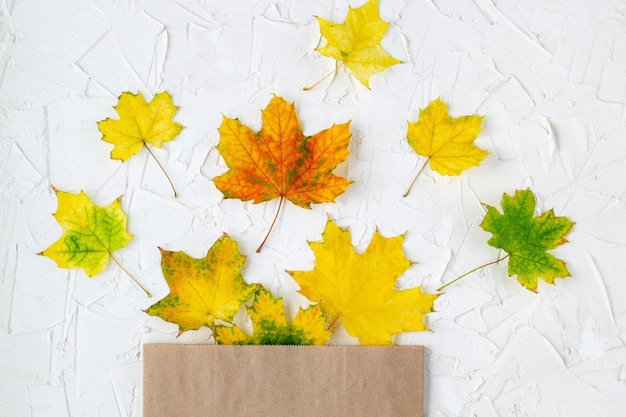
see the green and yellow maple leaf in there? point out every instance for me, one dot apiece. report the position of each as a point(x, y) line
point(202, 290)
point(280, 161)
point(446, 142)
point(90, 233)
point(526, 239)
point(356, 42)
point(359, 288)
point(269, 326)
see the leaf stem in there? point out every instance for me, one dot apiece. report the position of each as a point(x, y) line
point(162, 169)
point(332, 323)
point(473, 270)
point(416, 177)
point(131, 277)
point(324, 78)
point(280, 204)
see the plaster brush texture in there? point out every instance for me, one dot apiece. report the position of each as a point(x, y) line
point(548, 76)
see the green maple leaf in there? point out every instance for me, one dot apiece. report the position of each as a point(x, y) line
point(90, 233)
point(526, 239)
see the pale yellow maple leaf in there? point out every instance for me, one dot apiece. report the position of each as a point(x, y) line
point(356, 42)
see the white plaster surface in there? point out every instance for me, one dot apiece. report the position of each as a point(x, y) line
point(549, 76)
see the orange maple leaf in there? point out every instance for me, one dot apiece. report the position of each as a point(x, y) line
point(280, 161)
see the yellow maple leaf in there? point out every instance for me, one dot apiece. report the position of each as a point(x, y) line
point(140, 124)
point(359, 288)
point(202, 290)
point(446, 142)
point(356, 42)
point(269, 326)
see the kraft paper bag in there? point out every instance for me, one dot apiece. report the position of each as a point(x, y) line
point(282, 381)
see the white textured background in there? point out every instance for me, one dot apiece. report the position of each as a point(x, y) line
point(549, 76)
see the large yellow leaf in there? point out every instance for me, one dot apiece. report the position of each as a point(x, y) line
point(448, 143)
point(269, 326)
point(359, 288)
point(139, 123)
point(356, 42)
point(202, 290)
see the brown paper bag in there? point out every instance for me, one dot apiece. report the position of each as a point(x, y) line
point(282, 381)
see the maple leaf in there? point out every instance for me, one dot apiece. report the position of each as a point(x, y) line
point(356, 42)
point(359, 288)
point(90, 233)
point(280, 161)
point(202, 290)
point(140, 124)
point(269, 326)
point(446, 142)
point(526, 239)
